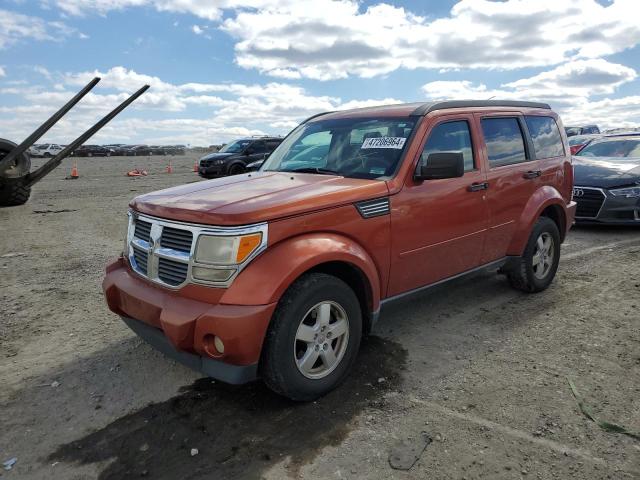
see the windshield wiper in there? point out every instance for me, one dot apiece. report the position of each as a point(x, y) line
point(321, 171)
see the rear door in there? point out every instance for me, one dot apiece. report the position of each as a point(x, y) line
point(257, 151)
point(513, 175)
point(438, 226)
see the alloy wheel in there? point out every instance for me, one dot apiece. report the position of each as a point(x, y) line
point(543, 255)
point(321, 340)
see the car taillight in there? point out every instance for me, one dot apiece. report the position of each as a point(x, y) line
point(576, 148)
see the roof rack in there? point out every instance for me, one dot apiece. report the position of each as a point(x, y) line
point(430, 107)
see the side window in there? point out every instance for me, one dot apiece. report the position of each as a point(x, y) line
point(450, 137)
point(258, 147)
point(271, 146)
point(546, 136)
point(504, 141)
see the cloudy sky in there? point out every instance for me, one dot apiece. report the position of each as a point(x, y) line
point(226, 68)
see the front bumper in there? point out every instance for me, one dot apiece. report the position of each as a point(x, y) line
point(183, 323)
point(234, 374)
point(598, 206)
point(212, 171)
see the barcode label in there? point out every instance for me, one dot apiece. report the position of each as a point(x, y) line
point(384, 142)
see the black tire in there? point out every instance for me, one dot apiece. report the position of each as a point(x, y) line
point(236, 169)
point(13, 192)
point(278, 363)
point(522, 273)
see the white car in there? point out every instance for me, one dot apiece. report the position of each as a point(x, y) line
point(45, 150)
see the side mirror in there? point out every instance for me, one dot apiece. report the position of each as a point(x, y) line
point(441, 165)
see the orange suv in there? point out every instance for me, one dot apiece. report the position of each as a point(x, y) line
point(278, 273)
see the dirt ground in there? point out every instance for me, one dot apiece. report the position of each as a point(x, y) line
point(480, 368)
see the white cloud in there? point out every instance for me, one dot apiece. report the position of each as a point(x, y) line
point(196, 113)
point(2, 72)
point(207, 9)
point(569, 89)
point(15, 27)
point(329, 39)
point(565, 83)
point(333, 39)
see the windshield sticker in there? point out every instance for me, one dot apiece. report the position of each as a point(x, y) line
point(377, 171)
point(384, 142)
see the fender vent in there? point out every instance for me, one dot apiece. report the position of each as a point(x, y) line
point(374, 208)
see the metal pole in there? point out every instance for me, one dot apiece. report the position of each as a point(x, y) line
point(55, 161)
point(42, 129)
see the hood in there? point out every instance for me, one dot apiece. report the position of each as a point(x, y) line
point(256, 197)
point(605, 172)
point(216, 155)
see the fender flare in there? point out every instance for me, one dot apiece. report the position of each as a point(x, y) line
point(268, 276)
point(542, 198)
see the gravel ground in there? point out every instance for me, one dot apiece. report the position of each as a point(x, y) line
point(480, 368)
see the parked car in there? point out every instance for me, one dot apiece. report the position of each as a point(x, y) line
point(138, 151)
point(233, 158)
point(578, 142)
point(607, 181)
point(177, 149)
point(584, 130)
point(45, 150)
point(92, 151)
point(117, 149)
point(279, 273)
point(157, 150)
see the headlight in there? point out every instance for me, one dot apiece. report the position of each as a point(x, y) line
point(218, 162)
point(227, 250)
point(630, 192)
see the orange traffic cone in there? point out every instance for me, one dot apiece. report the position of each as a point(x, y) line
point(169, 167)
point(74, 171)
point(195, 166)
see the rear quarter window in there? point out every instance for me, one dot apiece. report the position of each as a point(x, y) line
point(505, 144)
point(545, 135)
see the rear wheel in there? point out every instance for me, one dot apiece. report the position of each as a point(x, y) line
point(313, 338)
point(535, 269)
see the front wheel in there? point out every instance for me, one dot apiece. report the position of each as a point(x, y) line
point(535, 269)
point(313, 338)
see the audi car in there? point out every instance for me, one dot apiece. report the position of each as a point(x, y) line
point(607, 181)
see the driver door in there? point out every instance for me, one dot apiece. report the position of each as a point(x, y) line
point(439, 226)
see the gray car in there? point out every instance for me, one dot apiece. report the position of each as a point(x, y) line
point(607, 181)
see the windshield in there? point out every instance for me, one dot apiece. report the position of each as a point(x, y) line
point(235, 147)
point(351, 147)
point(571, 131)
point(613, 148)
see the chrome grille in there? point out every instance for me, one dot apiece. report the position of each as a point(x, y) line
point(172, 272)
point(176, 239)
point(143, 230)
point(589, 201)
point(140, 258)
point(163, 251)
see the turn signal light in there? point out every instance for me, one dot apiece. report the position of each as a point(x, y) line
point(247, 245)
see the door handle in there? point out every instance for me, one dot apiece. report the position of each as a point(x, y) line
point(532, 174)
point(476, 187)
